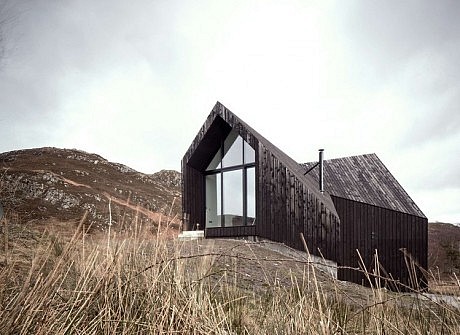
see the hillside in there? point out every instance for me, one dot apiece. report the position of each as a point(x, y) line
point(444, 249)
point(62, 184)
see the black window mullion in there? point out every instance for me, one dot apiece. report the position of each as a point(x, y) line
point(222, 217)
point(245, 202)
point(245, 197)
point(242, 146)
point(230, 168)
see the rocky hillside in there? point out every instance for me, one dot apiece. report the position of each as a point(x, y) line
point(40, 184)
point(444, 249)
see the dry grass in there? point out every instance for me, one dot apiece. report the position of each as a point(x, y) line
point(144, 284)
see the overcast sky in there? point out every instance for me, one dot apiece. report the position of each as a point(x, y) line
point(133, 81)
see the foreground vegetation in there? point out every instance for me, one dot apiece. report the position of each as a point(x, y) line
point(151, 285)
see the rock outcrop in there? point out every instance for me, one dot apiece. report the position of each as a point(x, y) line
point(38, 184)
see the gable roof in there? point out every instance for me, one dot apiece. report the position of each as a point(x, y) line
point(295, 168)
point(219, 123)
point(366, 179)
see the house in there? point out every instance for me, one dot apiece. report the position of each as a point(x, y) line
point(235, 183)
point(376, 214)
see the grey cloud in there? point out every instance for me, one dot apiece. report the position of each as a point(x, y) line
point(444, 175)
point(441, 122)
point(433, 104)
point(412, 47)
point(54, 42)
point(392, 31)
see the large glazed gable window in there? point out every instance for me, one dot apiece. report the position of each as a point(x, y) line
point(230, 184)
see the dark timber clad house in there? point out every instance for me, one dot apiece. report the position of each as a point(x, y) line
point(235, 183)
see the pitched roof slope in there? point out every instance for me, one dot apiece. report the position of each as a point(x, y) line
point(295, 168)
point(365, 178)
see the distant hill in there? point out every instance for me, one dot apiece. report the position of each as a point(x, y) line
point(39, 184)
point(444, 249)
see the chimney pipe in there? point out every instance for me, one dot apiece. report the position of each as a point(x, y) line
point(321, 171)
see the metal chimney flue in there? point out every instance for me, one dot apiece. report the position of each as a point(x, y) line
point(321, 170)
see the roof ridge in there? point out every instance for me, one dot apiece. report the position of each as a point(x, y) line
point(344, 157)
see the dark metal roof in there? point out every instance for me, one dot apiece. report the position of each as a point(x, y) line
point(366, 179)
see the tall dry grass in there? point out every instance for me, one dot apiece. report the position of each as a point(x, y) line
point(149, 285)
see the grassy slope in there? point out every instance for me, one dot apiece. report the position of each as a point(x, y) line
point(144, 283)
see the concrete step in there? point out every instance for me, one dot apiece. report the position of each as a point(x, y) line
point(191, 235)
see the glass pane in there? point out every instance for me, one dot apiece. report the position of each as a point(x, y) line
point(215, 163)
point(233, 197)
point(213, 200)
point(251, 196)
point(233, 150)
point(249, 153)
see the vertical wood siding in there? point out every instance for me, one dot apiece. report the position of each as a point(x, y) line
point(193, 198)
point(285, 206)
point(287, 209)
point(397, 237)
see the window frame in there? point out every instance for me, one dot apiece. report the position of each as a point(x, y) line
point(244, 167)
